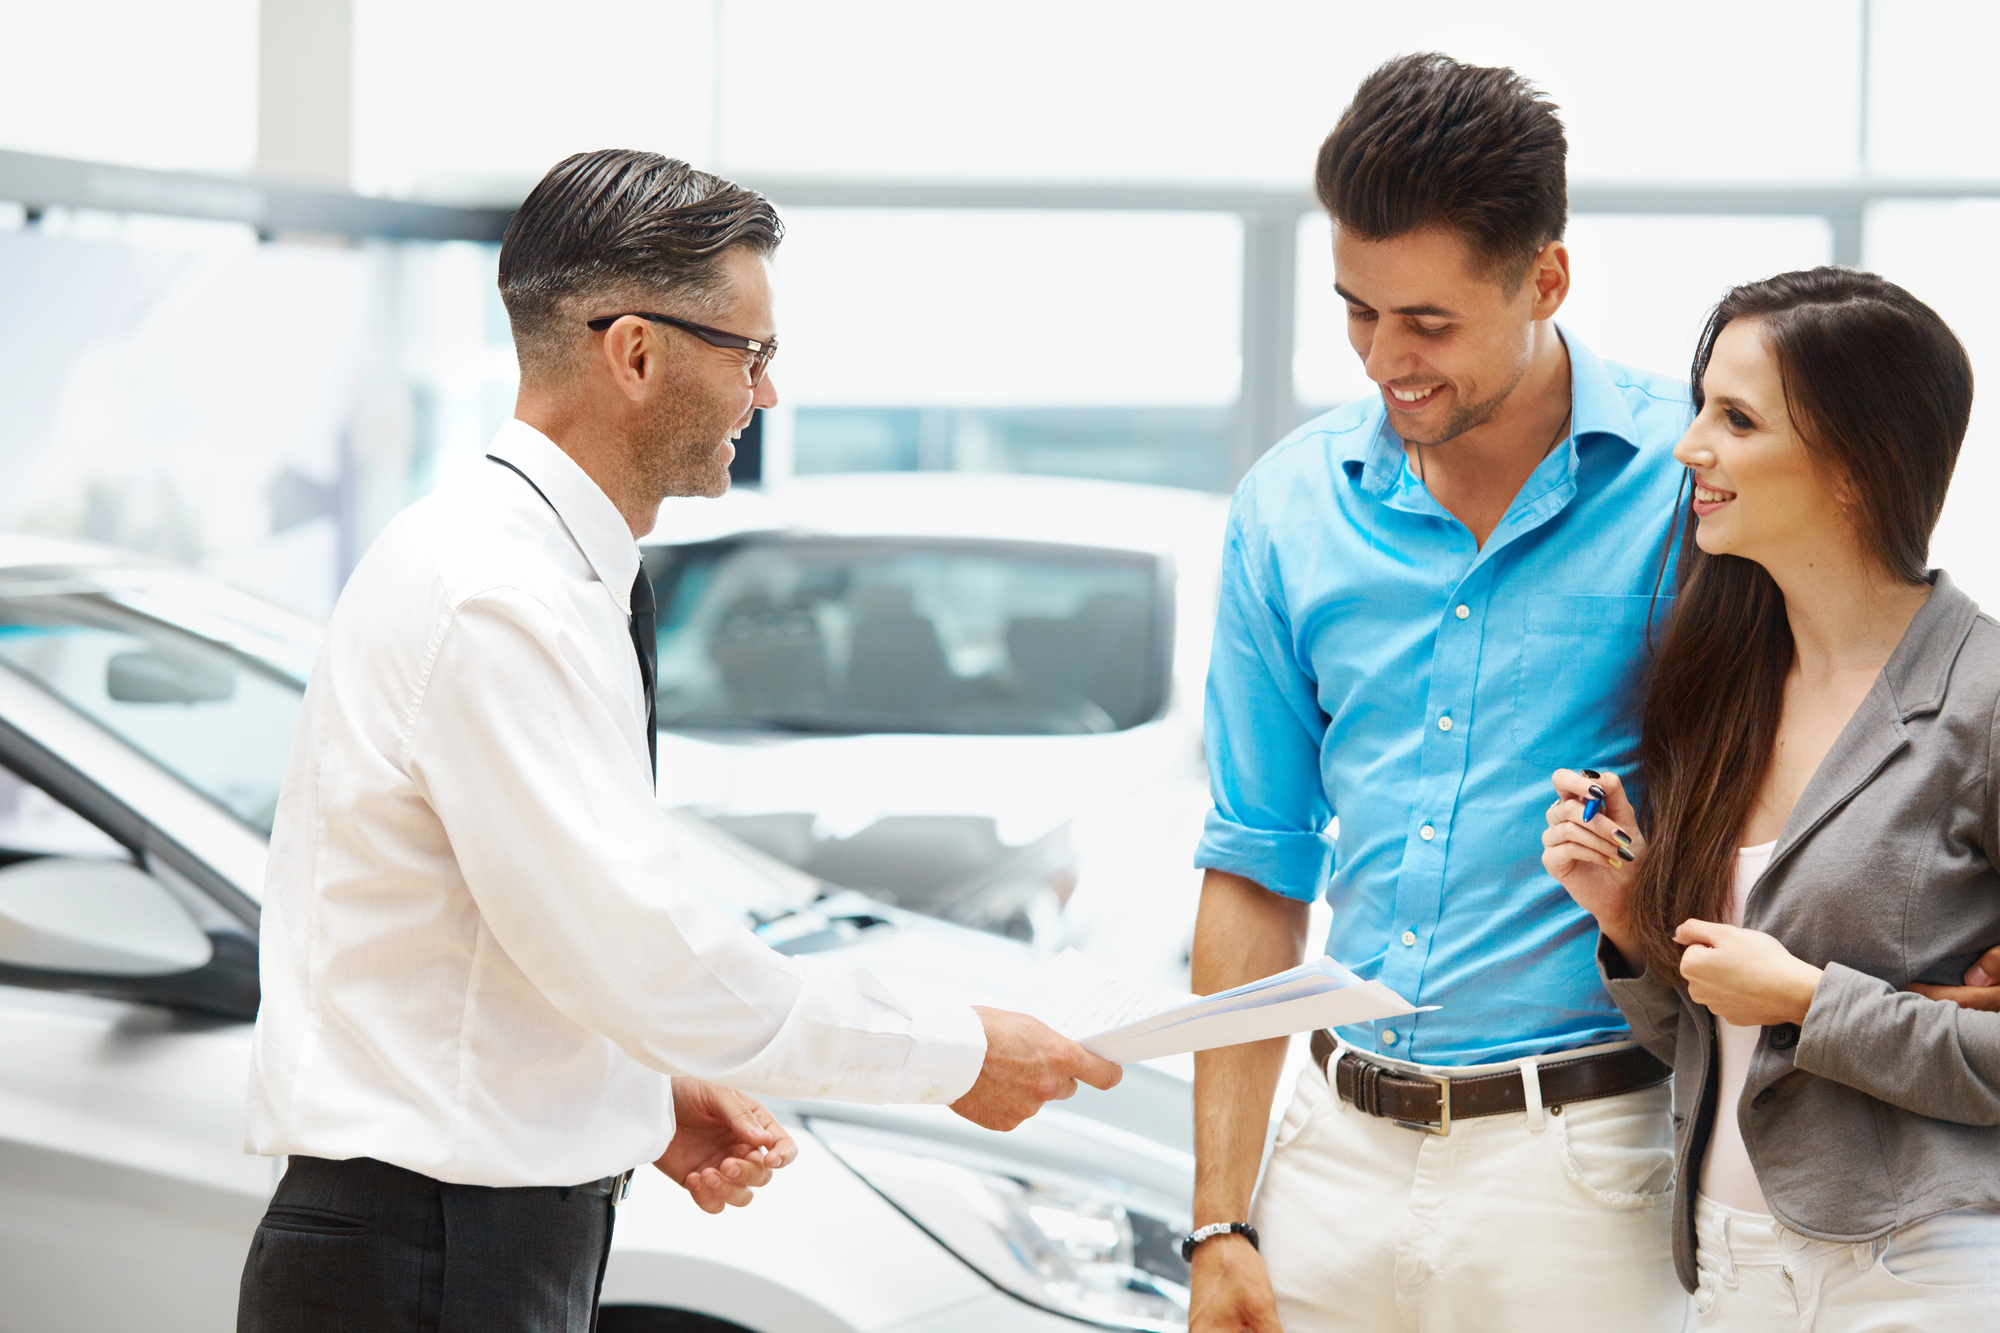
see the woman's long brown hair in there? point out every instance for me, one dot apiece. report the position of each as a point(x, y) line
point(1879, 391)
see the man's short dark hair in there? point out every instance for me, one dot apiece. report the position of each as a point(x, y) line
point(620, 227)
point(1428, 142)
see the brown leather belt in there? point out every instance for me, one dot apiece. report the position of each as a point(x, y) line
point(1433, 1101)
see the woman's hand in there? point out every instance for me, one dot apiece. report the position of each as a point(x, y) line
point(1594, 861)
point(1743, 976)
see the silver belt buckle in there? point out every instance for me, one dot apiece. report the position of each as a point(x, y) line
point(620, 1188)
point(1443, 1127)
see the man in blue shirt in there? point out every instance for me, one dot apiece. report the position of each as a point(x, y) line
point(1431, 599)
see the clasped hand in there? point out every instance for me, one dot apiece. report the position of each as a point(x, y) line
point(1745, 977)
point(725, 1145)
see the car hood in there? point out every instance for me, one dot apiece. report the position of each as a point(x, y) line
point(961, 826)
point(1027, 785)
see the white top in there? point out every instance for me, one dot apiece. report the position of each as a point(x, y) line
point(481, 956)
point(1726, 1173)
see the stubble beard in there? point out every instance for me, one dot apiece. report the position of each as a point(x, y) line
point(1470, 416)
point(681, 450)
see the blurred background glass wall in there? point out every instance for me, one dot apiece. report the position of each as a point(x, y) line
point(1070, 238)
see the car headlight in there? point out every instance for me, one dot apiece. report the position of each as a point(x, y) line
point(1087, 1248)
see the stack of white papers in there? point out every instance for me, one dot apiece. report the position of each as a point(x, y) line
point(1124, 1023)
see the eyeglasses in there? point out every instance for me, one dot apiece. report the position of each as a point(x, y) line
point(760, 352)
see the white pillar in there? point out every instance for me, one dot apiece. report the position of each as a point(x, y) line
point(305, 91)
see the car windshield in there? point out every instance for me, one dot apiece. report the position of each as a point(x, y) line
point(852, 635)
point(205, 681)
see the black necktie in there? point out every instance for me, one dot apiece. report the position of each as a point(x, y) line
point(647, 640)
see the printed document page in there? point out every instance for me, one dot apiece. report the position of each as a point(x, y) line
point(1125, 1023)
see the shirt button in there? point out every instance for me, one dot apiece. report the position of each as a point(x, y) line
point(1427, 833)
point(1444, 724)
point(1463, 611)
point(1389, 1037)
point(1409, 937)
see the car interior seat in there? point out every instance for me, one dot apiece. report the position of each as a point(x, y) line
point(1120, 667)
point(1102, 655)
point(896, 661)
point(771, 656)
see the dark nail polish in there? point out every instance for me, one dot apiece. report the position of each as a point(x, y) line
point(1596, 791)
point(1627, 855)
point(1592, 773)
point(1622, 836)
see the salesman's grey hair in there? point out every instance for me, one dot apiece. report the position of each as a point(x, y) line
point(621, 230)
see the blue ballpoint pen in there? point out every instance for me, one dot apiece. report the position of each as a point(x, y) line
point(1590, 809)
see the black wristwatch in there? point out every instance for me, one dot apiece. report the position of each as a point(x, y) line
point(1212, 1230)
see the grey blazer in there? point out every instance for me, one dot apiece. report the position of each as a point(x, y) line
point(1883, 1107)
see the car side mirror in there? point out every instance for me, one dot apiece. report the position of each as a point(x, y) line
point(154, 677)
point(108, 918)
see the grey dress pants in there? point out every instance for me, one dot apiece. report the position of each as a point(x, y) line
point(361, 1245)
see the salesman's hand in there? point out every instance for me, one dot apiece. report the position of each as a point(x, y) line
point(724, 1144)
point(1231, 1291)
point(1027, 1063)
point(1981, 989)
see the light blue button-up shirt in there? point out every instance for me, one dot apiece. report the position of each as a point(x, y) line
point(1373, 665)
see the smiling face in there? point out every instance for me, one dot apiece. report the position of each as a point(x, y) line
point(685, 445)
point(1445, 338)
point(1758, 492)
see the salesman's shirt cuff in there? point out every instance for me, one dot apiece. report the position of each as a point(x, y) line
point(950, 1051)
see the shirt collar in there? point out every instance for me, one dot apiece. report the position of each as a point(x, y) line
point(594, 523)
point(1598, 407)
point(1597, 411)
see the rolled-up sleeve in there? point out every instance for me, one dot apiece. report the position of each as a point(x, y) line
point(574, 869)
point(1264, 729)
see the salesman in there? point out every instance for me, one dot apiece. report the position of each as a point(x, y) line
point(489, 988)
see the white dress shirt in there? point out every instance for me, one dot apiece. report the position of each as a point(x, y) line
point(481, 958)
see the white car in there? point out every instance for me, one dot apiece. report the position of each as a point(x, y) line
point(145, 715)
point(977, 696)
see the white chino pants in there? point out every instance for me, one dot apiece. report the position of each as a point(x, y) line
point(1538, 1222)
point(1940, 1275)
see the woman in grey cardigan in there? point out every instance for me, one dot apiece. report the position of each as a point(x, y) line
point(1819, 751)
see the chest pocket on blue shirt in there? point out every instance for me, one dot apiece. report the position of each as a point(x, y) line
point(1583, 664)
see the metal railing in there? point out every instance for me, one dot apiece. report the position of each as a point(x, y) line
point(273, 208)
point(1266, 405)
